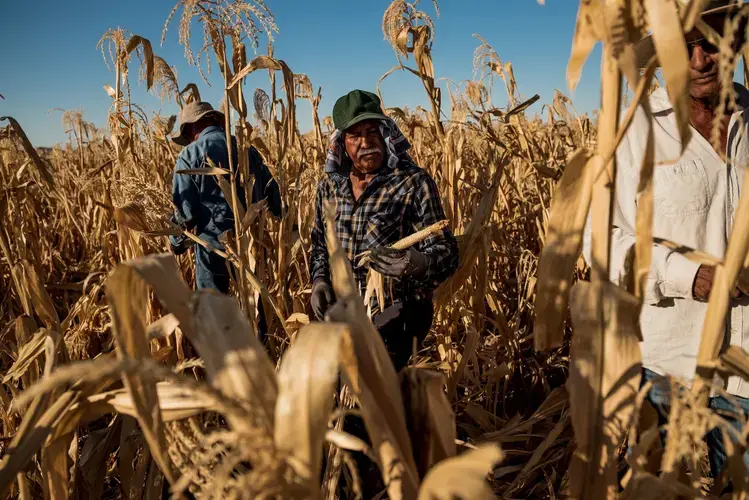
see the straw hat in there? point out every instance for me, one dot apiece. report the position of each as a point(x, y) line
point(192, 113)
point(644, 49)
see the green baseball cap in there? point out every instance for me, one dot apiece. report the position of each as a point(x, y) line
point(355, 107)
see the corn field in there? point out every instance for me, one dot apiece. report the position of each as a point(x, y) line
point(120, 381)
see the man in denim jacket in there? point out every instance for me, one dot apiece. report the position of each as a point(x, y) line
point(199, 203)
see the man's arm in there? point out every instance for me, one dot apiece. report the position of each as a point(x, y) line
point(441, 249)
point(186, 199)
point(671, 275)
point(185, 195)
point(319, 264)
point(265, 187)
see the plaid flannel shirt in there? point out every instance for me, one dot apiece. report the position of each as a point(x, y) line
point(401, 200)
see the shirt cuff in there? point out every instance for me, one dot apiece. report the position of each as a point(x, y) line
point(680, 274)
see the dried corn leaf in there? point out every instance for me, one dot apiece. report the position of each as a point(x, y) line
point(469, 351)
point(96, 450)
point(462, 477)
point(260, 62)
point(162, 273)
point(644, 216)
point(162, 327)
point(538, 453)
point(102, 368)
point(692, 13)
point(27, 354)
point(603, 183)
point(587, 34)
point(602, 394)
point(129, 441)
point(346, 441)
point(133, 43)
point(24, 329)
point(44, 171)
point(175, 402)
point(55, 467)
point(31, 437)
point(306, 384)
point(569, 210)
point(375, 289)
point(736, 360)
point(43, 305)
point(668, 38)
point(154, 483)
point(468, 250)
point(131, 216)
point(235, 360)
point(431, 421)
point(298, 318)
point(127, 294)
point(204, 171)
point(229, 196)
point(645, 486)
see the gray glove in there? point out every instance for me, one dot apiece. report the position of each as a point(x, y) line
point(399, 263)
point(322, 298)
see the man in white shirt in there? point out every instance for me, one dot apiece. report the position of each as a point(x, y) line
point(695, 197)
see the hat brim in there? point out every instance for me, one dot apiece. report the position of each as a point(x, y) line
point(360, 118)
point(181, 139)
point(645, 49)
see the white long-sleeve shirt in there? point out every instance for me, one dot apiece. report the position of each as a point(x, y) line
point(695, 196)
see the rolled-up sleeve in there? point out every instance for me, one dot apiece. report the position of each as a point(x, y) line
point(185, 195)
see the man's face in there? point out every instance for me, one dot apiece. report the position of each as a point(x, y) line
point(365, 146)
point(703, 61)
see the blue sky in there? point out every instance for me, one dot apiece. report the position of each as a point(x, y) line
point(49, 57)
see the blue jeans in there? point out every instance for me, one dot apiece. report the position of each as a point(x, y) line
point(210, 271)
point(659, 396)
point(729, 411)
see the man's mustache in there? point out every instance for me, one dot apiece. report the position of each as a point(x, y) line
point(368, 151)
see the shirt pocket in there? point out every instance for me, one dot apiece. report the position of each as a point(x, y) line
point(681, 189)
point(384, 228)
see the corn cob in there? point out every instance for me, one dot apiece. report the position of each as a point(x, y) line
point(408, 241)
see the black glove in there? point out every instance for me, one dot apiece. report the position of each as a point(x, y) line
point(399, 263)
point(322, 298)
point(179, 243)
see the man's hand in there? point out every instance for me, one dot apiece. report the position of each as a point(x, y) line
point(322, 298)
point(180, 244)
point(703, 284)
point(398, 263)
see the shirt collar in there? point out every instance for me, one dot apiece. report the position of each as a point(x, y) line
point(209, 130)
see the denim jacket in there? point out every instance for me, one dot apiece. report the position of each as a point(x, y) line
point(199, 203)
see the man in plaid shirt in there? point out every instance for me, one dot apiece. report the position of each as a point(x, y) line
point(381, 196)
